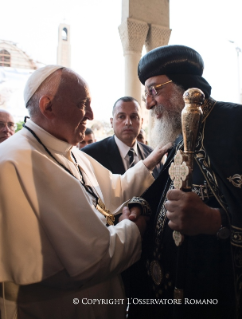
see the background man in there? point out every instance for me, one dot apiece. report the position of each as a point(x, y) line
point(55, 245)
point(88, 139)
point(7, 125)
point(142, 136)
point(121, 151)
point(210, 217)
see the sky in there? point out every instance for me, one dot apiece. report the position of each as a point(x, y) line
point(97, 54)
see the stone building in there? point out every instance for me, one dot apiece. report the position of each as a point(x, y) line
point(16, 67)
point(12, 56)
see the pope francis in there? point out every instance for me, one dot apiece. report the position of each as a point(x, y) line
point(58, 257)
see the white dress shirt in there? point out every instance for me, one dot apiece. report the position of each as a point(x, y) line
point(124, 149)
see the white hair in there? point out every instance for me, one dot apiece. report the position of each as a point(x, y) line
point(49, 86)
point(168, 127)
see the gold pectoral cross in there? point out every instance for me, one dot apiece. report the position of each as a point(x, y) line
point(105, 212)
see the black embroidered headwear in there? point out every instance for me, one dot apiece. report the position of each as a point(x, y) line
point(183, 65)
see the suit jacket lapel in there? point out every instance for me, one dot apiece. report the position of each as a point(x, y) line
point(114, 158)
point(142, 151)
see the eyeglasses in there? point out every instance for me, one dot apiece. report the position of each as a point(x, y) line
point(12, 126)
point(152, 90)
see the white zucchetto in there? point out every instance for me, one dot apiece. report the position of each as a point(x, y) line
point(37, 78)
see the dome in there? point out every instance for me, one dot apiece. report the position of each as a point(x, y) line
point(13, 56)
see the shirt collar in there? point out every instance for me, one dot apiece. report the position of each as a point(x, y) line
point(123, 148)
point(49, 140)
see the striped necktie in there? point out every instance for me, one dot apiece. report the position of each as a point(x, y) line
point(131, 157)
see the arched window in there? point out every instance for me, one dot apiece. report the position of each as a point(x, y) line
point(64, 34)
point(5, 58)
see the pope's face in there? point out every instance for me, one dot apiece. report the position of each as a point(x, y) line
point(7, 126)
point(73, 103)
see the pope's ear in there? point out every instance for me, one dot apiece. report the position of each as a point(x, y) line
point(46, 107)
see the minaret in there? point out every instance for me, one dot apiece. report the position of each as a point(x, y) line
point(64, 46)
point(143, 22)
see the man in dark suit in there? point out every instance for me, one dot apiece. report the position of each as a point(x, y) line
point(121, 151)
point(114, 152)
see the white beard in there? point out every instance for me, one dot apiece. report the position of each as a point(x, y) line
point(168, 127)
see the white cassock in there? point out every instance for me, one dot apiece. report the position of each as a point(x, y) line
point(52, 233)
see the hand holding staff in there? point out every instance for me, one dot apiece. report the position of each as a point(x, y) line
point(181, 173)
point(181, 170)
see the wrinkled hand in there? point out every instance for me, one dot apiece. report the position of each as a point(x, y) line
point(189, 215)
point(134, 214)
point(155, 157)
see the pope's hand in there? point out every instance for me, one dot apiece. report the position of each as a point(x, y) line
point(134, 214)
point(155, 157)
point(189, 215)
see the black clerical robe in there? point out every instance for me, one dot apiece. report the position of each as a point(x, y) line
point(213, 267)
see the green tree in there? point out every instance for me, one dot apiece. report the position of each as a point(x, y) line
point(19, 126)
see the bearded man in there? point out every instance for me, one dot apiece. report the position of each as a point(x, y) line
point(167, 124)
point(209, 217)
